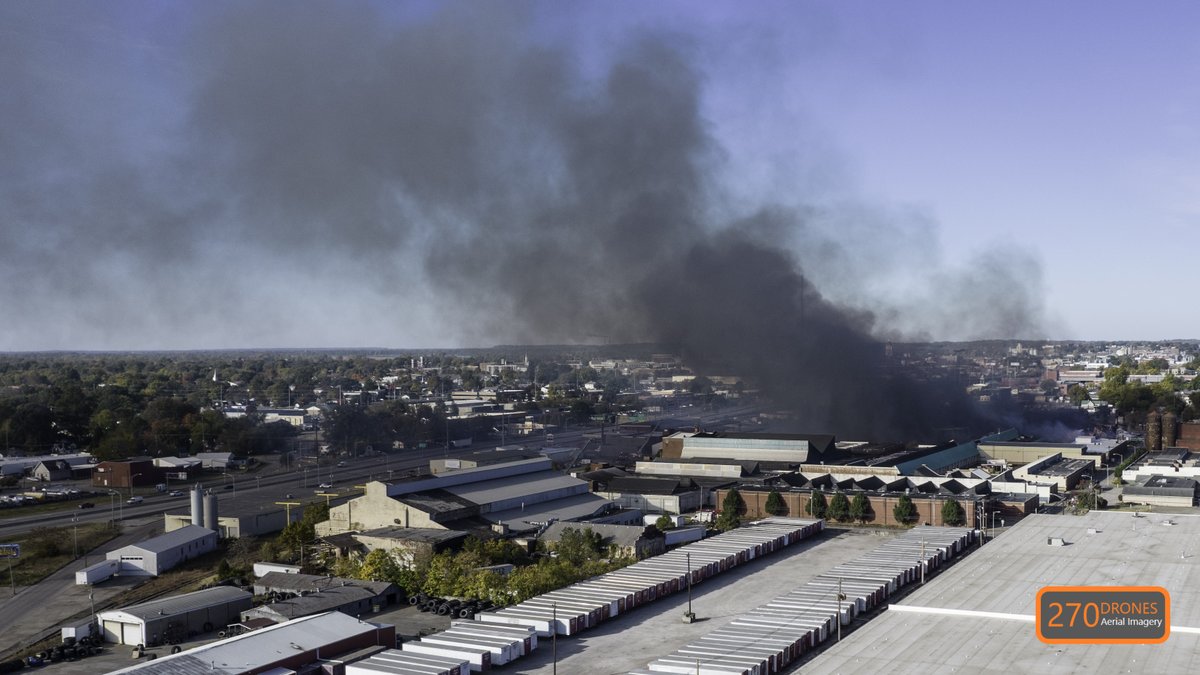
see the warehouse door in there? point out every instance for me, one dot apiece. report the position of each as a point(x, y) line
point(112, 631)
point(132, 634)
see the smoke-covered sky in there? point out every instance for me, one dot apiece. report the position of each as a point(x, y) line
point(721, 176)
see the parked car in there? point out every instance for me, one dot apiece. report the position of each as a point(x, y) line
point(87, 505)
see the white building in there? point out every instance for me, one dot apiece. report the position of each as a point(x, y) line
point(155, 556)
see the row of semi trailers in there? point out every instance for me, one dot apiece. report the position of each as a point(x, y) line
point(764, 641)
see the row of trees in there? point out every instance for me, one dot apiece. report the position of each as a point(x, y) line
point(579, 554)
point(839, 508)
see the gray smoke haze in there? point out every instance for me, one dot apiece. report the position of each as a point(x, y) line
point(345, 176)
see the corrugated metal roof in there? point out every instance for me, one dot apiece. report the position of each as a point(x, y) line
point(173, 539)
point(257, 649)
point(516, 487)
point(178, 604)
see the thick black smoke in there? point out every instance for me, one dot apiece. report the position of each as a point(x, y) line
point(462, 158)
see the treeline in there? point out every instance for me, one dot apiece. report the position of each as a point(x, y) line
point(578, 555)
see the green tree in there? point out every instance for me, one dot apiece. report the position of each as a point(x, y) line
point(817, 506)
point(1078, 394)
point(953, 513)
point(839, 507)
point(860, 508)
point(379, 565)
point(664, 523)
point(904, 511)
point(579, 546)
point(775, 504)
point(731, 507)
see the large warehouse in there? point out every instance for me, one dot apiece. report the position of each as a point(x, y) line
point(521, 496)
point(176, 618)
point(978, 616)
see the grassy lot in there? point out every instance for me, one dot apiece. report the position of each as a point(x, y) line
point(52, 507)
point(46, 549)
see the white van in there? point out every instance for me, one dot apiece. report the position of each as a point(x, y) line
point(135, 500)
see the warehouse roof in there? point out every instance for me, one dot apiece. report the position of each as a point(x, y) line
point(258, 649)
point(326, 600)
point(295, 583)
point(515, 487)
point(174, 539)
point(179, 604)
point(977, 616)
point(575, 507)
point(1166, 486)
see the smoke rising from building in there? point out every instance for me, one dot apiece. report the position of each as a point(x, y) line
point(345, 176)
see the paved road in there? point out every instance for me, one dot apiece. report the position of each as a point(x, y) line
point(56, 598)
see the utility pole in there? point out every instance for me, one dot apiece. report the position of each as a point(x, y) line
point(840, 597)
point(553, 632)
point(922, 562)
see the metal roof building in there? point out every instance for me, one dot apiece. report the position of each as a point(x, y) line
point(174, 619)
point(159, 554)
point(978, 615)
point(290, 645)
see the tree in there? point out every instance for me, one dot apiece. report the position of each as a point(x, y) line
point(579, 546)
point(904, 511)
point(664, 523)
point(817, 506)
point(839, 507)
point(731, 507)
point(1078, 393)
point(860, 508)
point(1049, 387)
point(775, 504)
point(953, 514)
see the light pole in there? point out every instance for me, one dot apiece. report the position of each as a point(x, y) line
point(232, 483)
point(114, 497)
point(75, 535)
point(131, 481)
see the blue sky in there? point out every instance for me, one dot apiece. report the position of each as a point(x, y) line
point(936, 160)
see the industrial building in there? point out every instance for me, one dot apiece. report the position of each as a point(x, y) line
point(319, 640)
point(1154, 490)
point(636, 541)
point(286, 583)
point(978, 615)
point(928, 498)
point(354, 601)
point(159, 554)
point(519, 496)
point(174, 619)
point(15, 466)
point(1062, 472)
point(1099, 451)
point(409, 543)
point(127, 474)
point(780, 449)
point(653, 494)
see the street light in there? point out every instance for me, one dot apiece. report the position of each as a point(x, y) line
point(131, 481)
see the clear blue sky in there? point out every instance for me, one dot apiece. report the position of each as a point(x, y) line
point(935, 147)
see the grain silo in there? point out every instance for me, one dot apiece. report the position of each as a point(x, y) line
point(1169, 427)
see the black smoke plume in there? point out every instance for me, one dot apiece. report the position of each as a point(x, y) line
point(456, 165)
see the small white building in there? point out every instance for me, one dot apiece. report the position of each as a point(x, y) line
point(157, 555)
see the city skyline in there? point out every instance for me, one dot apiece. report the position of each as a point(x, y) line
point(183, 176)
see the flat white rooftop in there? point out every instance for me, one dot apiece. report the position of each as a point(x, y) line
point(977, 617)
